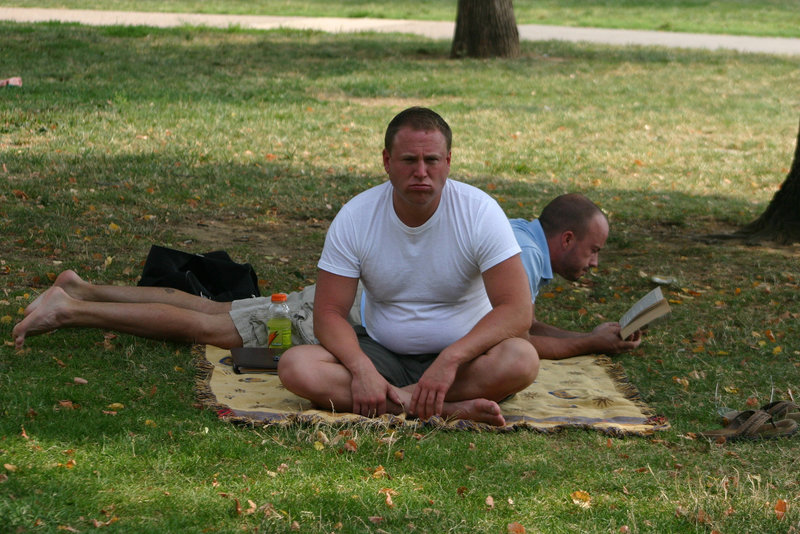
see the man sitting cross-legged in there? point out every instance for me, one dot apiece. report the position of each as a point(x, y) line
point(447, 302)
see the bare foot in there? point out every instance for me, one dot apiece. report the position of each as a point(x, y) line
point(68, 280)
point(45, 317)
point(480, 410)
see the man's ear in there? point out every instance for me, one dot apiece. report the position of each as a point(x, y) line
point(386, 157)
point(567, 239)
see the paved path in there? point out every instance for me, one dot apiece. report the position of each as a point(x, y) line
point(434, 30)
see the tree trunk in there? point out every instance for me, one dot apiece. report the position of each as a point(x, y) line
point(485, 28)
point(780, 222)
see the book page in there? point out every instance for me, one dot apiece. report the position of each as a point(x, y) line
point(643, 304)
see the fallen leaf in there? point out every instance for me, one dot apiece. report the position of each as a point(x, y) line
point(79, 380)
point(681, 381)
point(490, 502)
point(116, 406)
point(350, 445)
point(780, 508)
point(515, 528)
point(703, 518)
point(99, 524)
point(581, 498)
point(380, 472)
point(10, 467)
point(388, 492)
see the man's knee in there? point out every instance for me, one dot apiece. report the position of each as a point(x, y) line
point(522, 361)
point(289, 367)
point(298, 368)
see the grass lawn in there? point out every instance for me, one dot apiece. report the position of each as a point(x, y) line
point(203, 139)
point(776, 18)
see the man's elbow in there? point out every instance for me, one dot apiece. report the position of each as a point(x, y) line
point(521, 321)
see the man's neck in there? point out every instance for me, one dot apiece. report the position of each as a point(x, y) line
point(414, 215)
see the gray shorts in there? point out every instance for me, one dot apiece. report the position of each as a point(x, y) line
point(250, 317)
point(398, 369)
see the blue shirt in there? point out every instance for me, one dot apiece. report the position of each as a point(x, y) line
point(535, 253)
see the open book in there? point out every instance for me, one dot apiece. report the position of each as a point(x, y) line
point(647, 309)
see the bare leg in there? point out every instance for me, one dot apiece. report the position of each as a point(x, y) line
point(508, 367)
point(77, 288)
point(55, 308)
point(313, 373)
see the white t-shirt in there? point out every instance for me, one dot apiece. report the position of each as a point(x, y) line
point(423, 285)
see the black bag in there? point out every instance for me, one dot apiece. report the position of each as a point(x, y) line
point(213, 275)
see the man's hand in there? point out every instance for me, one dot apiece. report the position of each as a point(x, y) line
point(370, 392)
point(429, 393)
point(608, 333)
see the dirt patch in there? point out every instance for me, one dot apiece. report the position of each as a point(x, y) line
point(295, 243)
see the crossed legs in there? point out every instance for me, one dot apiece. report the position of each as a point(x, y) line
point(313, 373)
point(151, 312)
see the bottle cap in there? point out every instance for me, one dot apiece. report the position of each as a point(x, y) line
point(279, 297)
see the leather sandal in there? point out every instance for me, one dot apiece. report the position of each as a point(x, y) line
point(777, 409)
point(753, 424)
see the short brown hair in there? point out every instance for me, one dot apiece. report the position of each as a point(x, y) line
point(570, 212)
point(420, 119)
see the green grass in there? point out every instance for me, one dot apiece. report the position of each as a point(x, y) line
point(247, 141)
point(776, 18)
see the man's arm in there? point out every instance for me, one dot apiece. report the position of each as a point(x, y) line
point(553, 343)
point(332, 301)
point(507, 287)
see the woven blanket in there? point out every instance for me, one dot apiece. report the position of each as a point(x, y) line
point(583, 392)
